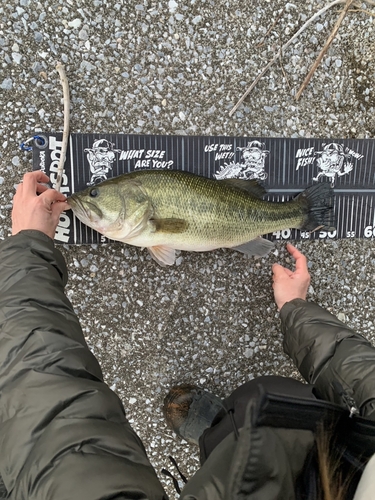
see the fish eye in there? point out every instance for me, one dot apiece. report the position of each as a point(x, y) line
point(94, 192)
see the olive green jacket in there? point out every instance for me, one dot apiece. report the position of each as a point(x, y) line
point(64, 434)
point(278, 436)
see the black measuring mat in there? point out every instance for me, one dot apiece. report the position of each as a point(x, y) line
point(285, 167)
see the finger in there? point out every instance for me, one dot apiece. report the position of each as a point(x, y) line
point(277, 268)
point(19, 188)
point(52, 196)
point(30, 181)
point(59, 207)
point(288, 272)
point(301, 261)
point(293, 250)
point(280, 271)
point(40, 188)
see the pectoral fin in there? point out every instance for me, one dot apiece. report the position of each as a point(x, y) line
point(140, 218)
point(164, 256)
point(258, 247)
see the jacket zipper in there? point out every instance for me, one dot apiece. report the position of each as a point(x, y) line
point(346, 399)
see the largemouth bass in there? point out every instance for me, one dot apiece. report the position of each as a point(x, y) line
point(166, 210)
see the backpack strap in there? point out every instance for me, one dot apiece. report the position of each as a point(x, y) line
point(355, 434)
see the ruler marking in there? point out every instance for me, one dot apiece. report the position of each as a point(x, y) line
point(341, 212)
point(360, 216)
point(352, 215)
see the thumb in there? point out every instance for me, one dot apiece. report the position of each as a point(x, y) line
point(278, 271)
point(59, 207)
point(283, 271)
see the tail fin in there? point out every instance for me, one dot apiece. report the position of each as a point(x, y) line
point(318, 200)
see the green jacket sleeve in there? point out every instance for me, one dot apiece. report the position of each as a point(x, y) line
point(63, 432)
point(330, 355)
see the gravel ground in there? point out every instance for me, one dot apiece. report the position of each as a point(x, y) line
point(178, 67)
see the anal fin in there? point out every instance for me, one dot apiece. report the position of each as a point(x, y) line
point(257, 247)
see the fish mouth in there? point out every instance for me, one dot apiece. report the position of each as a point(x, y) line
point(75, 203)
point(78, 207)
point(86, 212)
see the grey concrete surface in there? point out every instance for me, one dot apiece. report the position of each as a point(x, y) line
point(178, 67)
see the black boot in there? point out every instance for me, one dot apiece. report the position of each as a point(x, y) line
point(189, 410)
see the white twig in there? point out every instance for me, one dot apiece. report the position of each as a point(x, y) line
point(285, 46)
point(65, 85)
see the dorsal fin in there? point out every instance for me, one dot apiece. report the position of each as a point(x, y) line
point(251, 186)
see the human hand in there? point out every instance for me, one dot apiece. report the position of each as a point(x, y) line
point(288, 285)
point(35, 206)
